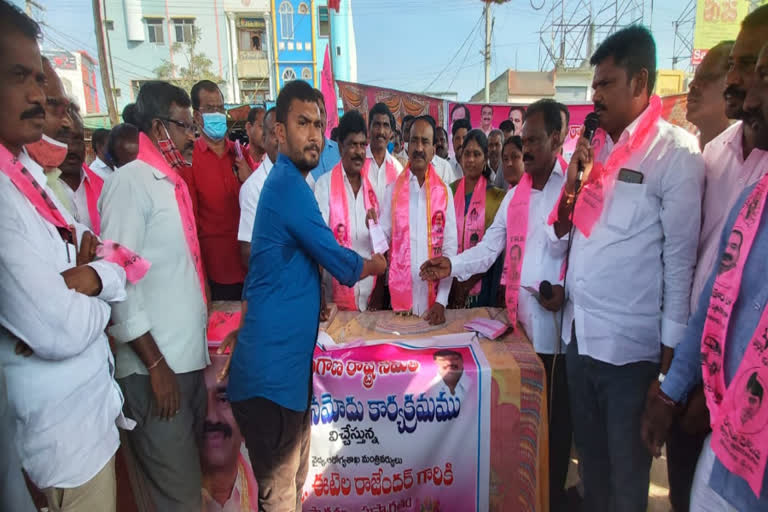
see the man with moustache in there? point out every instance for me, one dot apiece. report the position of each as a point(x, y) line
point(516, 115)
point(228, 481)
point(82, 186)
point(417, 215)
point(270, 384)
point(634, 237)
point(507, 128)
point(443, 167)
point(495, 141)
point(347, 198)
point(542, 260)
point(329, 155)
point(254, 127)
point(99, 144)
point(706, 103)
point(486, 119)
point(159, 330)
point(459, 130)
point(405, 129)
point(384, 167)
point(731, 370)
point(63, 405)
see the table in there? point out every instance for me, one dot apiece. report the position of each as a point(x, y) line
point(519, 474)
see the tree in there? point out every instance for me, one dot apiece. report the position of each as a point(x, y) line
point(198, 66)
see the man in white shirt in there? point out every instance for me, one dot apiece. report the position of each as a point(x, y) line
point(53, 307)
point(99, 144)
point(159, 330)
point(495, 142)
point(251, 189)
point(486, 119)
point(459, 130)
point(405, 129)
point(76, 181)
point(631, 265)
point(441, 144)
point(421, 150)
point(450, 370)
point(380, 125)
point(542, 261)
point(352, 143)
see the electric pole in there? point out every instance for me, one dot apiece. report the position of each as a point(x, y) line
point(487, 51)
point(98, 24)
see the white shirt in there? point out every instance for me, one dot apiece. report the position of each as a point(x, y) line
point(727, 175)
point(63, 398)
point(445, 170)
point(542, 261)
point(250, 192)
point(417, 218)
point(100, 168)
point(359, 236)
point(629, 283)
point(78, 202)
point(139, 210)
point(377, 175)
point(438, 385)
point(249, 198)
point(458, 172)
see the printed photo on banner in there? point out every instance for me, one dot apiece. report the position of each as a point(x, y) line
point(400, 426)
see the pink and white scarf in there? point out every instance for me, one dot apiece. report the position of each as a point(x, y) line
point(93, 185)
point(344, 296)
point(474, 222)
point(602, 177)
point(150, 155)
point(400, 278)
point(517, 234)
point(738, 412)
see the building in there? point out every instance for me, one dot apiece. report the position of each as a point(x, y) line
point(250, 51)
point(520, 87)
point(78, 72)
point(304, 29)
point(234, 36)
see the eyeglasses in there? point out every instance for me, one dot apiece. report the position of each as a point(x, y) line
point(189, 128)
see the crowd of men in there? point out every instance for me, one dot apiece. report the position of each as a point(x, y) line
point(628, 268)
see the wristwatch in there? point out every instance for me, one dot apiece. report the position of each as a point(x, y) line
point(661, 377)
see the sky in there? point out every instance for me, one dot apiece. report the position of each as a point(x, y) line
point(413, 45)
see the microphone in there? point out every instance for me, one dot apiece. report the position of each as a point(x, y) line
point(545, 290)
point(591, 124)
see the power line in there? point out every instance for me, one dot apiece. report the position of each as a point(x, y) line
point(471, 32)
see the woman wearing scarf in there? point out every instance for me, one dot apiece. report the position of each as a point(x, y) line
point(476, 202)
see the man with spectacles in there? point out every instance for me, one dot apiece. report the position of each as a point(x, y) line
point(159, 329)
point(214, 182)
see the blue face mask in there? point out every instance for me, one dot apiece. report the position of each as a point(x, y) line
point(215, 125)
point(391, 147)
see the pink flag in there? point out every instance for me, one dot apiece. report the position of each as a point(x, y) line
point(329, 93)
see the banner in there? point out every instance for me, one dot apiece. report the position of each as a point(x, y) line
point(716, 20)
point(400, 427)
point(362, 98)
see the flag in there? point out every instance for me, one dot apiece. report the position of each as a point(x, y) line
point(329, 93)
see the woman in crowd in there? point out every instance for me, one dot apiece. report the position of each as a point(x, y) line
point(512, 160)
point(476, 201)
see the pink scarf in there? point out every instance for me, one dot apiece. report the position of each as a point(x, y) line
point(35, 194)
point(150, 155)
point(389, 163)
point(517, 234)
point(400, 278)
point(93, 185)
point(343, 296)
point(602, 178)
point(739, 412)
point(474, 223)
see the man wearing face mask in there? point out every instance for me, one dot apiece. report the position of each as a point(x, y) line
point(214, 181)
point(159, 330)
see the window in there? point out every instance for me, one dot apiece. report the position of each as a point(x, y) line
point(323, 22)
point(286, 20)
point(289, 74)
point(306, 74)
point(155, 30)
point(109, 24)
point(249, 40)
point(185, 29)
point(338, 51)
point(303, 8)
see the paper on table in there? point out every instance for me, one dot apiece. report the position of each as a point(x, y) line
point(378, 239)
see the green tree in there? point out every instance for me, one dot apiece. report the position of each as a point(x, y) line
point(190, 65)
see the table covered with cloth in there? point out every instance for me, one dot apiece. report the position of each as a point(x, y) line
point(519, 478)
